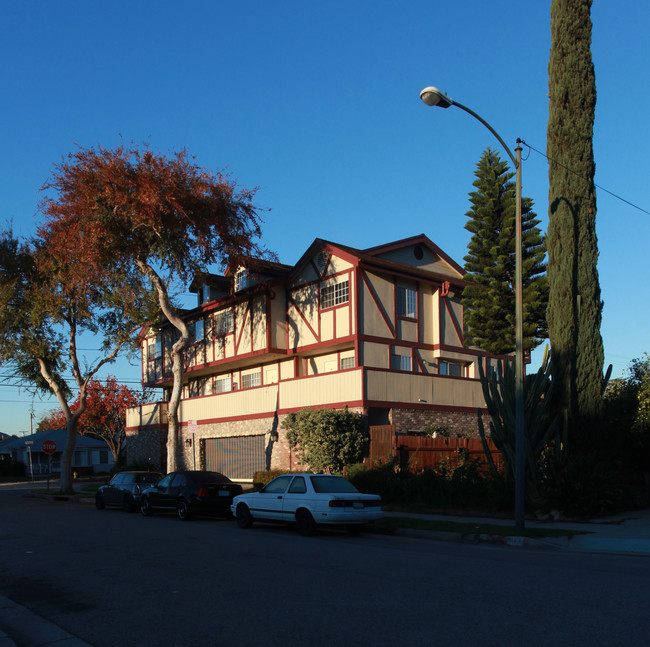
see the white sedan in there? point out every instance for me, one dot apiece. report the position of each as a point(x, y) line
point(308, 500)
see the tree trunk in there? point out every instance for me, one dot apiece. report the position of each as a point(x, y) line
point(179, 346)
point(71, 426)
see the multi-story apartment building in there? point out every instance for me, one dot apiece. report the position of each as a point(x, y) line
point(378, 330)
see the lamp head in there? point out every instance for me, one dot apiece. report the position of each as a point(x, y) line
point(434, 97)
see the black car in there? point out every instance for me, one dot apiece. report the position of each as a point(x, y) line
point(190, 493)
point(124, 490)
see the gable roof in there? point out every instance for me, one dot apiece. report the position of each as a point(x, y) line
point(372, 259)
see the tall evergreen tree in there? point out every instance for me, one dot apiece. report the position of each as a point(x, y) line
point(574, 311)
point(490, 263)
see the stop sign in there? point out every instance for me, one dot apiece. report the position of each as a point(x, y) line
point(49, 446)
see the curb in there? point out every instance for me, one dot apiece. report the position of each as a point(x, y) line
point(27, 629)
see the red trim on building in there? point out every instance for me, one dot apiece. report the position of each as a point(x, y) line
point(302, 316)
point(377, 301)
point(452, 316)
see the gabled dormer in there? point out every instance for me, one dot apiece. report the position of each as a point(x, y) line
point(419, 252)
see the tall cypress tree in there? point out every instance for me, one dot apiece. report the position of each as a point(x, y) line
point(574, 311)
point(490, 262)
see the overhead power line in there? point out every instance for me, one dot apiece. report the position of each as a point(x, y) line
point(614, 195)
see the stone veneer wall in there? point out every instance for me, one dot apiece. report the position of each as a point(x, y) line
point(462, 423)
point(150, 443)
point(148, 446)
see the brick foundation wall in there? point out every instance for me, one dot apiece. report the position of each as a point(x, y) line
point(461, 423)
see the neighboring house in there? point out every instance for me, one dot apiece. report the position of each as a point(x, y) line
point(90, 455)
point(378, 330)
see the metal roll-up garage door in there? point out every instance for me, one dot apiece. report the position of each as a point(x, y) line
point(238, 457)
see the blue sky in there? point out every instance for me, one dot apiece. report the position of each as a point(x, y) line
point(317, 104)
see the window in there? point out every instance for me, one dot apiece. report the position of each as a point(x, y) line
point(401, 362)
point(298, 486)
point(196, 330)
point(406, 302)
point(251, 379)
point(154, 349)
point(334, 294)
point(222, 385)
point(347, 362)
point(455, 369)
point(278, 485)
point(242, 279)
point(103, 456)
point(223, 322)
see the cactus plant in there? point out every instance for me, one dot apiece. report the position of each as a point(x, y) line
point(541, 422)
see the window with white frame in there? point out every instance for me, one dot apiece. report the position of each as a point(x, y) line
point(223, 322)
point(242, 279)
point(333, 294)
point(406, 302)
point(249, 380)
point(455, 369)
point(401, 362)
point(222, 384)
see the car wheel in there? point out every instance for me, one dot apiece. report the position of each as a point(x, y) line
point(243, 515)
point(99, 501)
point(183, 510)
point(305, 522)
point(145, 507)
point(127, 503)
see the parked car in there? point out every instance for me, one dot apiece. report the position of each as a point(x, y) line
point(124, 490)
point(308, 500)
point(190, 493)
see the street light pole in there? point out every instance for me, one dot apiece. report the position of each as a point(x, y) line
point(433, 97)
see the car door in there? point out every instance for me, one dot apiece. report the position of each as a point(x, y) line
point(268, 504)
point(295, 497)
point(159, 493)
point(112, 492)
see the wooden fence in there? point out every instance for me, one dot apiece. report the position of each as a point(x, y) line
point(421, 452)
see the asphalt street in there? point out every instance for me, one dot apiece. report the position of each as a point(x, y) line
point(107, 577)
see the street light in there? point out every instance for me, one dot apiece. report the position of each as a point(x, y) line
point(434, 97)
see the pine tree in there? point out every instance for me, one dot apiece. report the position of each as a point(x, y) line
point(574, 311)
point(490, 264)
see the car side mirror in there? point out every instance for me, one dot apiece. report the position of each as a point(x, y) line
point(258, 486)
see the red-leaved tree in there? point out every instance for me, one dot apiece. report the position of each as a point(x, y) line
point(129, 211)
point(104, 417)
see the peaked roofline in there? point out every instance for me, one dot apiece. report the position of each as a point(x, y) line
point(421, 239)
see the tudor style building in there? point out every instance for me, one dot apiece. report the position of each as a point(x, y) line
point(378, 330)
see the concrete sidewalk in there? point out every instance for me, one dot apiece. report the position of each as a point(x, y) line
point(27, 629)
point(624, 534)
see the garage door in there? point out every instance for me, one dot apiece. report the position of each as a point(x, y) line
point(238, 457)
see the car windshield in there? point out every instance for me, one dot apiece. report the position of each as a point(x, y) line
point(332, 485)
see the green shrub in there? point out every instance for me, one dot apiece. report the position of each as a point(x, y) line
point(327, 439)
point(463, 487)
point(12, 469)
point(584, 484)
point(264, 476)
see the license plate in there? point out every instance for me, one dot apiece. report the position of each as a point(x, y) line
point(224, 493)
point(358, 504)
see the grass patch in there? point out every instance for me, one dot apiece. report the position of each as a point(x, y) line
point(474, 528)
